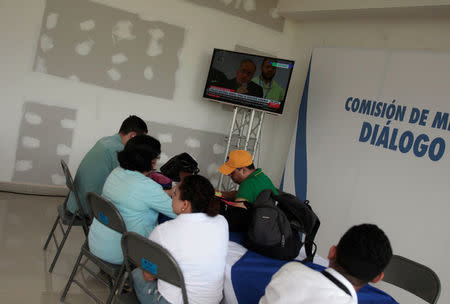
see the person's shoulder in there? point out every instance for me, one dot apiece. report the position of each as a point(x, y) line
point(116, 172)
point(255, 85)
point(166, 229)
point(299, 271)
point(113, 142)
point(107, 139)
point(221, 220)
point(145, 181)
point(276, 84)
point(294, 266)
point(262, 174)
point(252, 178)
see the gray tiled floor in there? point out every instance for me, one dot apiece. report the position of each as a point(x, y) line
point(25, 221)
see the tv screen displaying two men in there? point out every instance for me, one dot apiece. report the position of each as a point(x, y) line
point(250, 81)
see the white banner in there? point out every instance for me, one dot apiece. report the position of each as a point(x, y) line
point(372, 145)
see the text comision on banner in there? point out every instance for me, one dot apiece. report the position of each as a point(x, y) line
point(405, 141)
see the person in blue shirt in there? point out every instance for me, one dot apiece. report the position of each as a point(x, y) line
point(138, 198)
point(98, 163)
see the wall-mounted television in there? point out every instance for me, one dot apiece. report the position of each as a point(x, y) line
point(247, 80)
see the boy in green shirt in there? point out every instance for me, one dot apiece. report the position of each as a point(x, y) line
point(239, 166)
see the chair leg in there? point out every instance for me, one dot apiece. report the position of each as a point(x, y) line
point(51, 233)
point(116, 284)
point(72, 275)
point(61, 245)
point(85, 229)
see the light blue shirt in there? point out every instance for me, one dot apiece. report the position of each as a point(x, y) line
point(139, 200)
point(95, 167)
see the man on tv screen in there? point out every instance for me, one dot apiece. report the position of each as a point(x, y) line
point(271, 89)
point(242, 83)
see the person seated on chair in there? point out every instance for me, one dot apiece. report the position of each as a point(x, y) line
point(360, 257)
point(198, 241)
point(139, 199)
point(240, 168)
point(98, 163)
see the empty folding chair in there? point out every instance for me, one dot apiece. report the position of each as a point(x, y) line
point(149, 256)
point(416, 278)
point(107, 214)
point(67, 218)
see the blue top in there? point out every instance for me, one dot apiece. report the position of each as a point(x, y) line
point(95, 167)
point(139, 200)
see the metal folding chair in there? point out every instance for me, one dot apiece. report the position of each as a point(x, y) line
point(149, 256)
point(106, 213)
point(67, 218)
point(416, 278)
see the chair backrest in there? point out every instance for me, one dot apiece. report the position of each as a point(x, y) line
point(411, 276)
point(70, 185)
point(105, 212)
point(153, 258)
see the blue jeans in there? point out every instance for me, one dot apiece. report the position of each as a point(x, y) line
point(146, 291)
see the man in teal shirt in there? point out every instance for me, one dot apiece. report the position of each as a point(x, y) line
point(239, 166)
point(98, 163)
point(271, 89)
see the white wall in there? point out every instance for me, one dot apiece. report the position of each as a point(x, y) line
point(412, 233)
point(100, 111)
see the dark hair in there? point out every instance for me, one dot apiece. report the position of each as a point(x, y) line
point(139, 153)
point(251, 166)
point(248, 60)
point(198, 190)
point(268, 59)
point(363, 252)
point(133, 124)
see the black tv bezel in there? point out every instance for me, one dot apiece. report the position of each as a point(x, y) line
point(219, 100)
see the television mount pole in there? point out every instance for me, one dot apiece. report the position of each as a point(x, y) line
point(245, 134)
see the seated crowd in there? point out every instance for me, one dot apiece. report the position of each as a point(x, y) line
point(119, 168)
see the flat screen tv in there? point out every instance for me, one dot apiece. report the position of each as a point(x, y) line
point(247, 80)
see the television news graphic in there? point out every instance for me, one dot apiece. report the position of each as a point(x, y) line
point(247, 80)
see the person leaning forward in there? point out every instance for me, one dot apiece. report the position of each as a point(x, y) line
point(98, 163)
point(240, 168)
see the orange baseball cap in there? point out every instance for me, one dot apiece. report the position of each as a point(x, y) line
point(236, 159)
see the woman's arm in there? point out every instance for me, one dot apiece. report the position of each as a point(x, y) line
point(158, 200)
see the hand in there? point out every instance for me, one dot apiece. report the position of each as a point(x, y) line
point(148, 276)
point(230, 195)
point(170, 191)
point(242, 90)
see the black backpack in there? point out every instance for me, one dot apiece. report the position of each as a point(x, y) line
point(275, 225)
point(181, 162)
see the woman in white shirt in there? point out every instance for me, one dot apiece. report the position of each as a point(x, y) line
point(197, 239)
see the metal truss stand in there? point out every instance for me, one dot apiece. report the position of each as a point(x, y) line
point(245, 134)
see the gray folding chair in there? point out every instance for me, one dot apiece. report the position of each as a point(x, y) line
point(67, 218)
point(411, 276)
point(149, 256)
point(106, 213)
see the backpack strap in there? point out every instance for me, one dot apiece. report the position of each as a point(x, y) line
point(336, 282)
point(310, 246)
